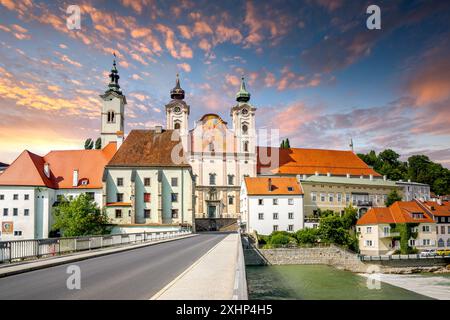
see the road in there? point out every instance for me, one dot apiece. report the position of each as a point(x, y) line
point(134, 274)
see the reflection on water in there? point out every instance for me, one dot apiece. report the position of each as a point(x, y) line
point(319, 282)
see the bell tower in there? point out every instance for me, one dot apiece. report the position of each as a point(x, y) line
point(113, 109)
point(177, 112)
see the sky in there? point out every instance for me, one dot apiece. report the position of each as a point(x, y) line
point(313, 68)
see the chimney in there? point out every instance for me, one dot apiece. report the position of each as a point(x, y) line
point(361, 177)
point(371, 177)
point(47, 169)
point(316, 173)
point(348, 175)
point(439, 201)
point(158, 129)
point(269, 184)
point(75, 178)
point(304, 177)
point(384, 178)
point(119, 139)
point(328, 174)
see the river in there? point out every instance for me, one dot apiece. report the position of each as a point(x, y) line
point(317, 282)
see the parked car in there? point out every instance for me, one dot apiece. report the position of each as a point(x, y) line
point(428, 253)
point(443, 252)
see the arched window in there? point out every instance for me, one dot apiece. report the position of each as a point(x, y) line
point(244, 129)
point(111, 117)
point(211, 146)
point(441, 243)
point(177, 126)
point(245, 146)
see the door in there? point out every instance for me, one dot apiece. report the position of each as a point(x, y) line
point(211, 211)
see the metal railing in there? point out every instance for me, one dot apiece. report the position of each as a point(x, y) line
point(37, 248)
point(398, 257)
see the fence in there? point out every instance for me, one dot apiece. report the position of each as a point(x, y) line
point(399, 257)
point(37, 248)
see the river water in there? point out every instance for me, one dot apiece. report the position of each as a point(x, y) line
point(307, 282)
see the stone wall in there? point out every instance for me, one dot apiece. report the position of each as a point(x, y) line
point(337, 257)
point(215, 224)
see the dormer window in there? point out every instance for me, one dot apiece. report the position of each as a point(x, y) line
point(290, 189)
point(84, 182)
point(417, 215)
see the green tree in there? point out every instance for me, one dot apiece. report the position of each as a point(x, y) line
point(88, 144)
point(392, 197)
point(287, 144)
point(307, 235)
point(98, 143)
point(79, 217)
point(350, 217)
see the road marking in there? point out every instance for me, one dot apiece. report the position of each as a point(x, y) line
point(170, 284)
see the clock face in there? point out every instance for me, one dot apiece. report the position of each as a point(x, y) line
point(244, 112)
point(177, 109)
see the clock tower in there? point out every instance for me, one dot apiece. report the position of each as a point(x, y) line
point(177, 112)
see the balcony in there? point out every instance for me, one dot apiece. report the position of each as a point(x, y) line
point(363, 203)
point(389, 234)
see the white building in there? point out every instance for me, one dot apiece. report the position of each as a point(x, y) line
point(220, 156)
point(32, 185)
point(271, 204)
point(440, 211)
point(414, 190)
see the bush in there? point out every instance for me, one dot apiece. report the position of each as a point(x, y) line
point(279, 239)
point(307, 236)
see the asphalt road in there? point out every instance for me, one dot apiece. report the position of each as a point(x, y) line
point(134, 274)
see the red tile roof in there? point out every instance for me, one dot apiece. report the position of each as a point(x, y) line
point(309, 161)
point(399, 212)
point(28, 168)
point(436, 209)
point(260, 186)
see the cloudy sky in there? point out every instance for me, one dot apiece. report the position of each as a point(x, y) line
point(313, 68)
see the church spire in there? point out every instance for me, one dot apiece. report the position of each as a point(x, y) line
point(177, 92)
point(114, 78)
point(243, 95)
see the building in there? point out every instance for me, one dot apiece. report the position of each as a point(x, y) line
point(220, 156)
point(440, 211)
point(414, 190)
point(32, 185)
point(378, 233)
point(331, 179)
point(271, 204)
point(146, 185)
point(3, 167)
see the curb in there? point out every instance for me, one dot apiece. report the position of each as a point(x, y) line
point(81, 258)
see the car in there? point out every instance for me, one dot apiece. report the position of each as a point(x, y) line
point(428, 253)
point(443, 252)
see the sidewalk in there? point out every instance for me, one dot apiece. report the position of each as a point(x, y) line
point(21, 267)
point(212, 277)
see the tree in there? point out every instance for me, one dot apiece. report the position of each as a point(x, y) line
point(80, 217)
point(307, 235)
point(287, 144)
point(98, 143)
point(350, 217)
point(88, 144)
point(392, 197)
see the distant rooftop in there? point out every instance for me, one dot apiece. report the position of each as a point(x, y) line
point(350, 181)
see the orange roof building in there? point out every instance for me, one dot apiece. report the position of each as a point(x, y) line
point(272, 186)
point(300, 161)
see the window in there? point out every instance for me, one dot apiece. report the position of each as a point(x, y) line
point(174, 197)
point(442, 230)
point(441, 243)
point(15, 212)
point(448, 229)
point(260, 216)
point(15, 197)
point(212, 179)
point(211, 147)
point(386, 230)
point(330, 197)
point(26, 212)
point(118, 213)
point(411, 242)
point(290, 215)
point(290, 227)
point(177, 126)
point(18, 233)
point(2, 197)
point(111, 117)
point(368, 243)
point(260, 202)
point(322, 197)
point(426, 242)
point(368, 229)
point(275, 227)
point(147, 197)
point(119, 182)
point(275, 202)
point(230, 200)
point(5, 211)
point(91, 195)
point(347, 197)
point(129, 213)
point(426, 228)
point(174, 182)
point(245, 146)
point(244, 129)
point(26, 197)
point(147, 182)
point(339, 197)
point(290, 202)
point(119, 197)
point(290, 189)
point(174, 213)
point(314, 196)
point(275, 216)
point(147, 213)
point(230, 179)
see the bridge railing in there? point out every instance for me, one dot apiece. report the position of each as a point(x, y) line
point(18, 250)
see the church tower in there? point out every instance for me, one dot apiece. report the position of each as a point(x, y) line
point(243, 116)
point(113, 109)
point(177, 112)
